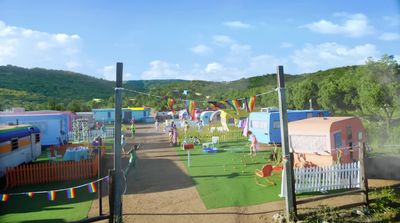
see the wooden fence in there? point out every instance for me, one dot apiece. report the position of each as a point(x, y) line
point(38, 173)
point(327, 178)
point(317, 179)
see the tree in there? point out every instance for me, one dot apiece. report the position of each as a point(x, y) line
point(380, 88)
point(302, 93)
point(74, 106)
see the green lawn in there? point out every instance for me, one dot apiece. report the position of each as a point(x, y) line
point(227, 178)
point(21, 208)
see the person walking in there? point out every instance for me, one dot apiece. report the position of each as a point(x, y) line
point(253, 143)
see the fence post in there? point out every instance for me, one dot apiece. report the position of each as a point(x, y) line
point(111, 188)
point(364, 180)
point(100, 183)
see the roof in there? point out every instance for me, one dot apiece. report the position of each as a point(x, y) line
point(33, 113)
point(315, 126)
point(5, 128)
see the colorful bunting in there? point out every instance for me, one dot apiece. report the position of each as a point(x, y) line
point(4, 197)
point(51, 195)
point(71, 193)
point(30, 194)
point(92, 187)
point(252, 102)
point(170, 104)
point(216, 104)
point(235, 105)
point(191, 109)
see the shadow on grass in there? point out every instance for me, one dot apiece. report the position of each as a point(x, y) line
point(22, 208)
point(59, 220)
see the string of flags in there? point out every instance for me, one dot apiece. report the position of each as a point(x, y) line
point(246, 103)
point(51, 195)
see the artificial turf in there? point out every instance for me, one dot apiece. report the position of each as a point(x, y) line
point(227, 178)
point(22, 208)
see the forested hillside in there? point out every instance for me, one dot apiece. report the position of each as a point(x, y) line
point(371, 91)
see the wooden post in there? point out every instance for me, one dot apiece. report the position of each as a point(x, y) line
point(100, 183)
point(111, 188)
point(117, 145)
point(364, 180)
point(291, 210)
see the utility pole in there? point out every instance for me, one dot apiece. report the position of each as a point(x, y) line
point(117, 146)
point(290, 198)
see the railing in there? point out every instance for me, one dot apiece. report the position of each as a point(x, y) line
point(90, 135)
point(327, 178)
point(204, 135)
point(38, 173)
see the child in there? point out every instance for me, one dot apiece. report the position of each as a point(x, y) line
point(253, 143)
point(132, 159)
point(156, 125)
point(133, 130)
point(185, 127)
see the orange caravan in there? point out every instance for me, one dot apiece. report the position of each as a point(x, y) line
point(322, 141)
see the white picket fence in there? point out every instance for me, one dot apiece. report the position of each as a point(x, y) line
point(317, 179)
point(107, 133)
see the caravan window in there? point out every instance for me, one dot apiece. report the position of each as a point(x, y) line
point(338, 140)
point(276, 125)
point(259, 124)
point(349, 133)
point(14, 144)
point(37, 138)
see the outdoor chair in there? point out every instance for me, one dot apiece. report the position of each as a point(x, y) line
point(214, 140)
point(265, 173)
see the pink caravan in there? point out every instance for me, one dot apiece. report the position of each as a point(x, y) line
point(323, 141)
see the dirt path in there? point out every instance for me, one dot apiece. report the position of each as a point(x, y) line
point(160, 190)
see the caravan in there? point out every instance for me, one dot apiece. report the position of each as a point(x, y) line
point(266, 125)
point(18, 144)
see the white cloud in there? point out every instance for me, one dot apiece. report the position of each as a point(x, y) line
point(331, 54)
point(214, 67)
point(201, 49)
point(109, 73)
point(222, 40)
point(30, 48)
point(162, 70)
point(389, 36)
point(237, 24)
point(353, 25)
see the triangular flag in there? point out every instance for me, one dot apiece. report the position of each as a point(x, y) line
point(51, 195)
point(92, 187)
point(4, 197)
point(30, 194)
point(71, 193)
point(252, 102)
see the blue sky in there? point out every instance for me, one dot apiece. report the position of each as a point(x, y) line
point(207, 40)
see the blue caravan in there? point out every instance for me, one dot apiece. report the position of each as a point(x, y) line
point(54, 125)
point(107, 115)
point(266, 125)
point(205, 117)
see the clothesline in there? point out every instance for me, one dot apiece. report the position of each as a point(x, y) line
point(58, 190)
point(180, 99)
